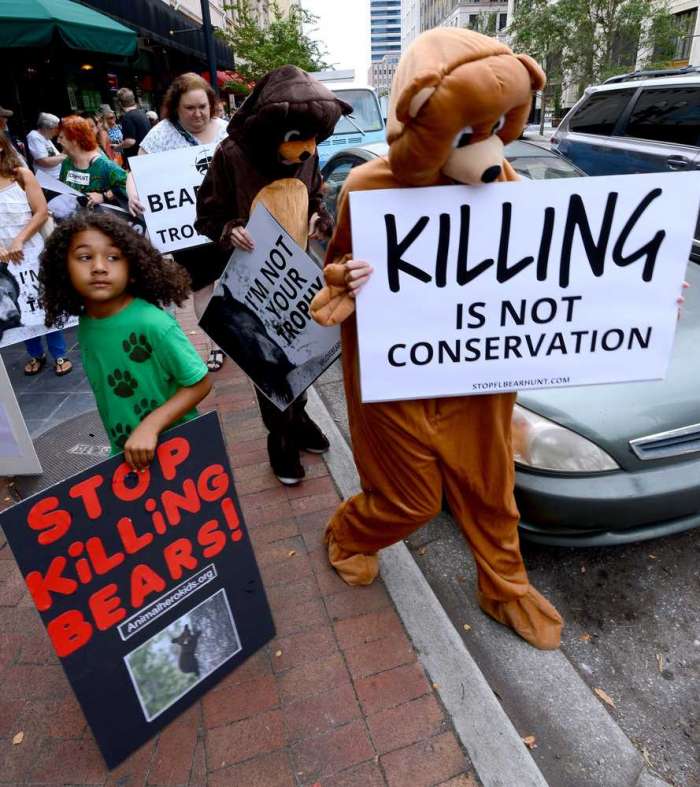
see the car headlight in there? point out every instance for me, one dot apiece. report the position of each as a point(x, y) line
point(544, 445)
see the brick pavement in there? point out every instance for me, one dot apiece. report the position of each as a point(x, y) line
point(337, 699)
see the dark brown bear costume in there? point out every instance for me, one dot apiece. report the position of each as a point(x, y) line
point(270, 156)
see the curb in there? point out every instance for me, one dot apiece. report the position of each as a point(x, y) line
point(484, 729)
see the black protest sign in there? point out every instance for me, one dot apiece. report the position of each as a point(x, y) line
point(146, 582)
point(260, 315)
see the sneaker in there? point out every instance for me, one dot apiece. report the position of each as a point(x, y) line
point(284, 458)
point(309, 437)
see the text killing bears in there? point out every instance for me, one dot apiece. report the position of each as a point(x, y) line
point(89, 562)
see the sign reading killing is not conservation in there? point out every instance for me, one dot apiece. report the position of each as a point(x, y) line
point(167, 185)
point(259, 313)
point(511, 286)
point(146, 582)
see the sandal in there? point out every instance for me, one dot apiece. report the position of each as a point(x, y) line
point(62, 366)
point(34, 365)
point(215, 360)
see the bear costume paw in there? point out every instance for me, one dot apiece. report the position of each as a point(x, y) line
point(531, 616)
point(353, 568)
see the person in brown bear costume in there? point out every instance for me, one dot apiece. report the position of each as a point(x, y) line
point(270, 156)
point(458, 97)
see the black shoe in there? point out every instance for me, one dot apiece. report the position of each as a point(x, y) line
point(309, 437)
point(284, 458)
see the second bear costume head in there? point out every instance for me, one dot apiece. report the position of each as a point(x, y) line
point(458, 97)
point(286, 115)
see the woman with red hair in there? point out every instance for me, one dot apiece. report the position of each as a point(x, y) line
point(86, 169)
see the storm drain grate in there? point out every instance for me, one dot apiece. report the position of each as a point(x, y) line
point(66, 449)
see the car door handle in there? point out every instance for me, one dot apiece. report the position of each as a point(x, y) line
point(677, 162)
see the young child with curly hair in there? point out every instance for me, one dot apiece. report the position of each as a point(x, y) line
point(144, 372)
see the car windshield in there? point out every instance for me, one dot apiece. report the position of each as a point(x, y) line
point(543, 167)
point(365, 111)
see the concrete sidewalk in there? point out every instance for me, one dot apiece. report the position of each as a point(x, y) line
point(338, 698)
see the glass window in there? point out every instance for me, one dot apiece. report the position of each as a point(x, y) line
point(333, 182)
point(365, 112)
point(599, 113)
point(543, 167)
point(670, 114)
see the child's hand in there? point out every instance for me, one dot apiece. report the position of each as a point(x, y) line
point(357, 274)
point(16, 251)
point(140, 448)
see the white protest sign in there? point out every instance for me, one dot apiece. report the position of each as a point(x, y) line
point(21, 316)
point(511, 286)
point(17, 454)
point(167, 185)
point(259, 313)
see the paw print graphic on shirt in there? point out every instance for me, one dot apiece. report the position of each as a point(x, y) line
point(144, 407)
point(137, 347)
point(122, 383)
point(120, 434)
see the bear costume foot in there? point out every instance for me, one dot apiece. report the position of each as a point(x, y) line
point(353, 568)
point(531, 616)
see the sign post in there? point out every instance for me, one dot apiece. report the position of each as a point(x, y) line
point(146, 582)
point(511, 286)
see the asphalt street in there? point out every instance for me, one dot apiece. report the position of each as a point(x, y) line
point(632, 630)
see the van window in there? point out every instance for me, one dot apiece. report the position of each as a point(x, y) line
point(670, 114)
point(365, 112)
point(600, 112)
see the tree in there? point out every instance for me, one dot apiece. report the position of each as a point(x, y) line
point(583, 43)
point(259, 48)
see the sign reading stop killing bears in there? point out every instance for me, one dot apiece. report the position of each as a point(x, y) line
point(167, 185)
point(146, 582)
point(259, 313)
point(511, 286)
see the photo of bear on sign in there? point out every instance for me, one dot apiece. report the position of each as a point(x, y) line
point(146, 582)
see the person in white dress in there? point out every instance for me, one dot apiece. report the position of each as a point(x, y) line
point(23, 211)
point(188, 119)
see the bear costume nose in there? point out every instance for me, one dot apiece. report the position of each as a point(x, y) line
point(490, 174)
point(303, 156)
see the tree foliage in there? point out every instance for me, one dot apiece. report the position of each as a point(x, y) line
point(583, 43)
point(260, 48)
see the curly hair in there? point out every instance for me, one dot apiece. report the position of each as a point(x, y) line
point(181, 85)
point(80, 131)
point(151, 277)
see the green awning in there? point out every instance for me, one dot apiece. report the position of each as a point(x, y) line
point(29, 23)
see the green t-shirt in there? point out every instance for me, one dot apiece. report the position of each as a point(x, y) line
point(102, 175)
point(135, 361)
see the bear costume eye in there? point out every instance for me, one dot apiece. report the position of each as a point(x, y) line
point(291, 135)
point(463, 137)
point(499, 125)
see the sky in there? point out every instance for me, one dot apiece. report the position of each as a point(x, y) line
point(343, 26)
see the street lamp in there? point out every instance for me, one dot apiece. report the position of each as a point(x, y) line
point(207, 31)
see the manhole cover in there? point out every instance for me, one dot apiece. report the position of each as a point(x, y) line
point(65, 450)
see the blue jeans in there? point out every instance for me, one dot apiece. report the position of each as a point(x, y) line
point(55, 341)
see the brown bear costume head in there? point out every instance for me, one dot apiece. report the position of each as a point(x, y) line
point(286, 115)
point(458, 97)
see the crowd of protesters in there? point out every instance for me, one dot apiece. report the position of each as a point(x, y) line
point(89, 152)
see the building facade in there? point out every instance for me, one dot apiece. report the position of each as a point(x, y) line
point(381, 74)
point(385, 29)
point(410, 21)
point(688, 43)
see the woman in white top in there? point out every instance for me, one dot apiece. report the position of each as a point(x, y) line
point(23, 211)
point(188, 119)
point(46, 156)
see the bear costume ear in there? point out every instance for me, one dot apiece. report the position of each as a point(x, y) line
point(537, 75)
point(415, 94)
